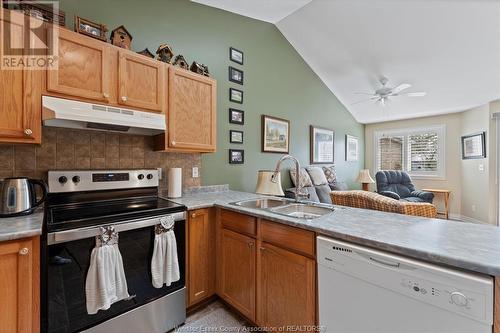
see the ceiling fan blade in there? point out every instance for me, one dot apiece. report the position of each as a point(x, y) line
point(364, 93)
point(401, 87)
point(414, 94)
point(365, 100)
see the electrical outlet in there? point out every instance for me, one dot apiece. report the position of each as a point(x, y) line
point(481, 167)
point(196, 174)
point(473, 208)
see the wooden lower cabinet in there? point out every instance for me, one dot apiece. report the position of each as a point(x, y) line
point(270, 278)
point(237, 272)
point(286, 289)
point(201, 255)
point(19, 286)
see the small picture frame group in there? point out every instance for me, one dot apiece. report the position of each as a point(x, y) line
point(236, 55)
point(235, 75)
point(236, 136)
point(236, 96)
point(236, 156)
point(236, 117)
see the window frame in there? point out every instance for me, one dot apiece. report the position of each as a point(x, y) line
point(440, 130)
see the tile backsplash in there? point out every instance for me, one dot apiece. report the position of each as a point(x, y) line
point(67, 149)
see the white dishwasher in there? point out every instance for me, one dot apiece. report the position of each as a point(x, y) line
point(363, 291)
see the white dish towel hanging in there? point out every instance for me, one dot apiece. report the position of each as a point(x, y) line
point(105, 283)
point(165, 264)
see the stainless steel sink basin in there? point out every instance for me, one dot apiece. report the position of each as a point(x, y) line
point(303, 210)
point(263, 203)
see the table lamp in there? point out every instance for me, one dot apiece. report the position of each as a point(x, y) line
point(266, 186)
point(365, 178)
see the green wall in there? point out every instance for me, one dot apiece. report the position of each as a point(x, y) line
point(277, 80)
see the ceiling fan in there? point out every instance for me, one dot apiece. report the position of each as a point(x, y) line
point(385, 93)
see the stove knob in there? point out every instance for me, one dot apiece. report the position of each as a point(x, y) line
point(76, 179)
point(458, 298)
point(150, 176)
point(63, 179)
point(141, 176)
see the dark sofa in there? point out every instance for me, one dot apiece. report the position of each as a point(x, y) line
point(397, 184)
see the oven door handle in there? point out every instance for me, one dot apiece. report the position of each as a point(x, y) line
point(88, 232)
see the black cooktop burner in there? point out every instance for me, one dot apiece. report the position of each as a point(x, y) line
point(77, 215)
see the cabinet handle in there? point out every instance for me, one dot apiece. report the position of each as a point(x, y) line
point(250, 244)
point(24, 251)
point(28, 132)
point(172, 143)
point(106, 95)
point(193, 215)
point(124, 98)
point(262, 248)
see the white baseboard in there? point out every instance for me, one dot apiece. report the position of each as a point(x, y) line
point(464, 218)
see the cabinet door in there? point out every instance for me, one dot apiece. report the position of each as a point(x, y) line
point(201, 255)
point(141, 81)
point(286, 288)
point(192, 111)
point(19, 292)
point(84, 68)
point(238, 272)
point(20, 96)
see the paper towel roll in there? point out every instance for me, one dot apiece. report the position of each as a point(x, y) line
point(174, 183)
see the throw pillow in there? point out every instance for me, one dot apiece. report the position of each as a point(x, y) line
point(317, 176)
point(305, 180)
point(330, 174)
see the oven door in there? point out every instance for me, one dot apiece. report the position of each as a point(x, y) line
point(66, 260)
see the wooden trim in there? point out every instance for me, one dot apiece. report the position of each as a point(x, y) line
point(496, 306)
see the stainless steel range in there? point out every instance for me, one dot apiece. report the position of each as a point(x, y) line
point(79, 203)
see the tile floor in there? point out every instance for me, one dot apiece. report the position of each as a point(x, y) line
point(215, 317)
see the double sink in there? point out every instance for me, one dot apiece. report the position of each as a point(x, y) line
point(287, 207)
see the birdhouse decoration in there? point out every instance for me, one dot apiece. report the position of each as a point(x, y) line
point(121, 37)
point(165, 53)
point(197, 68)
point(147, 53)
point(181, 62)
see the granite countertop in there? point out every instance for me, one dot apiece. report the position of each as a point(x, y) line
point(21, 226)
point(468, 246)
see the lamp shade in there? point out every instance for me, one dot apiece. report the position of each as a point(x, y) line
point(266, 186)
point(364, 177)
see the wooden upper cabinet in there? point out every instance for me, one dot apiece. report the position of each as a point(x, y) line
point(192, 112)
point(19, 286)
point(20, 95)
point(286, 288)
point(201, 255)
point(84, 68)
point(141, 81)
point(237, 272)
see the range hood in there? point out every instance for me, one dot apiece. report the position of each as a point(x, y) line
point(60, 112)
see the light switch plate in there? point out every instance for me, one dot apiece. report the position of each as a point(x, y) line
point(196, 173)
point(481, 167)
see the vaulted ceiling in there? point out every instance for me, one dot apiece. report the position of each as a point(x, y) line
point(447, 48)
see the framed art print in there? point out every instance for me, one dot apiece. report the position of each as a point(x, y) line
point(275, 135)
point(236, 117)
point(351, 148)
point(236, 95)
point(322, 145)
point(474, 146)
point(236, 55)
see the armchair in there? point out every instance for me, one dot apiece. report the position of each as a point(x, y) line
point(397, 185)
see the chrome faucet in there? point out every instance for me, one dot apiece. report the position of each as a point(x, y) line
point(299, 190)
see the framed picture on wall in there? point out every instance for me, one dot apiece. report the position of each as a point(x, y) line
point(322, 145)
point(236, 156)
point(236, 117)
point(351, 148)
point(474, 146)
point(236, 95)
point(275, 135)
point(235, 75)
point(236, 136)
point(236, 55)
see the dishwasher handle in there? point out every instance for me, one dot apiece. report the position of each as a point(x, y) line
point(385, 263)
